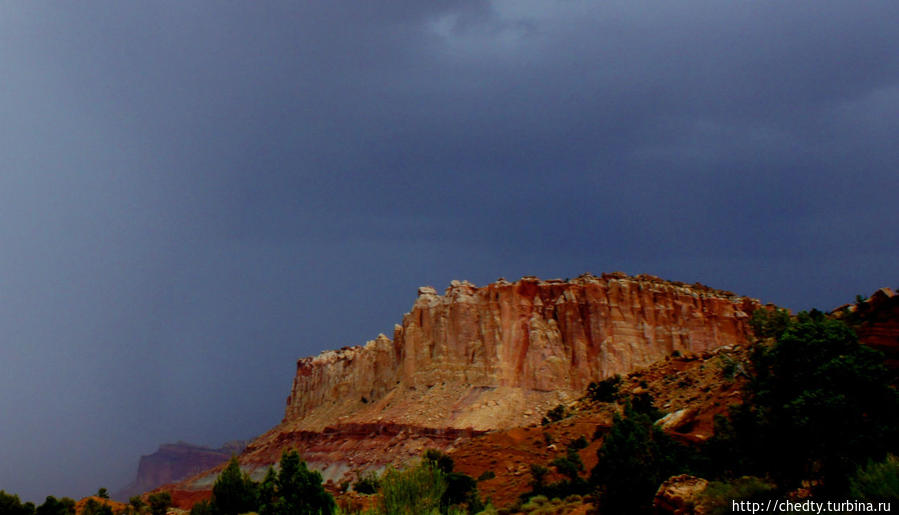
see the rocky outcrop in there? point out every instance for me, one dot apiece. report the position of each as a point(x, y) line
point(483, 358)
point(876, 321)
point(679, 495)
point(510, 348)
point(173, 462)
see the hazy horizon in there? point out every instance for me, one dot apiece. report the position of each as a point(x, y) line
point(194, 195)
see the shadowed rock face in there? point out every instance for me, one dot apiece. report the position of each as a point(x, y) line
point(876, 321)
point(492, 357)
point(173, 462)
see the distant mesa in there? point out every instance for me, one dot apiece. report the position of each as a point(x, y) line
point(174, 462)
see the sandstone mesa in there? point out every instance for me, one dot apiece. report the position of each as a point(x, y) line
point(477, 359)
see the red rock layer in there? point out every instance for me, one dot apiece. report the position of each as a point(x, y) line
point(509, 349)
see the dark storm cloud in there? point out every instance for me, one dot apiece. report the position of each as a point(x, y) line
point(193, 195)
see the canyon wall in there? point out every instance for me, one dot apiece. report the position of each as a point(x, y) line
point(497, 355)
point(478, 359)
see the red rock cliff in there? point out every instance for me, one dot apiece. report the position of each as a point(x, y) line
point(498, 355)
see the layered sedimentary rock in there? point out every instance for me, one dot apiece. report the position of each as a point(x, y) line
point(478, 359)
point(508, 349)
point(876, 321)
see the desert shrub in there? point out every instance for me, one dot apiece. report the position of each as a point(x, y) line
point(578, 443)
point(645, 404)
point(605, 390)
point(718, 496)
point(93, 507)
point(367, 484)
point(555, 414)
point(136, 504)
point(159, 502)
point(487, 474)
point(414, 490)
point(538, 477)
point(876, 481)
point(716, 499)
point(440, 460)
point(488, 510)
point(461, 489)
point(203, 508)
point(728, 366)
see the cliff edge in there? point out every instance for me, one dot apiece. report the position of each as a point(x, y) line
point(491, 357)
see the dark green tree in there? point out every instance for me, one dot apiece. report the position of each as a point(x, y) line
point(234, 492)
point(54, 506)
point(10, 504)
point(440, 460)
point(204, 507)
point(460, 488)
point(136, 503)
point(103, 493)
point(159, 502)
point(769, 323)
point(605, 390)
point(635, 457)
point(819, 407)
point(295, 490)
point(93, 507)
point(368, 484)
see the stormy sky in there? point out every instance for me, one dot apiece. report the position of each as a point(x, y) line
point(195, 194)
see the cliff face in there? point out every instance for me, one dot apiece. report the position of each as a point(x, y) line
point(876, 321)
point(478, 359)
point(495, 356)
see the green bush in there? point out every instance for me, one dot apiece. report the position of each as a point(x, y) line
point(554, 415)
point(605, 390)
point(645, 404)
point(159, 502)
point(367, 484)
point(136, 504)
point(717, 498)
point(487, 474)
point(440, 460)
point(414, 490)
point(877, 481)
point(203, 508)
point(93, 507)
point(578, 443)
